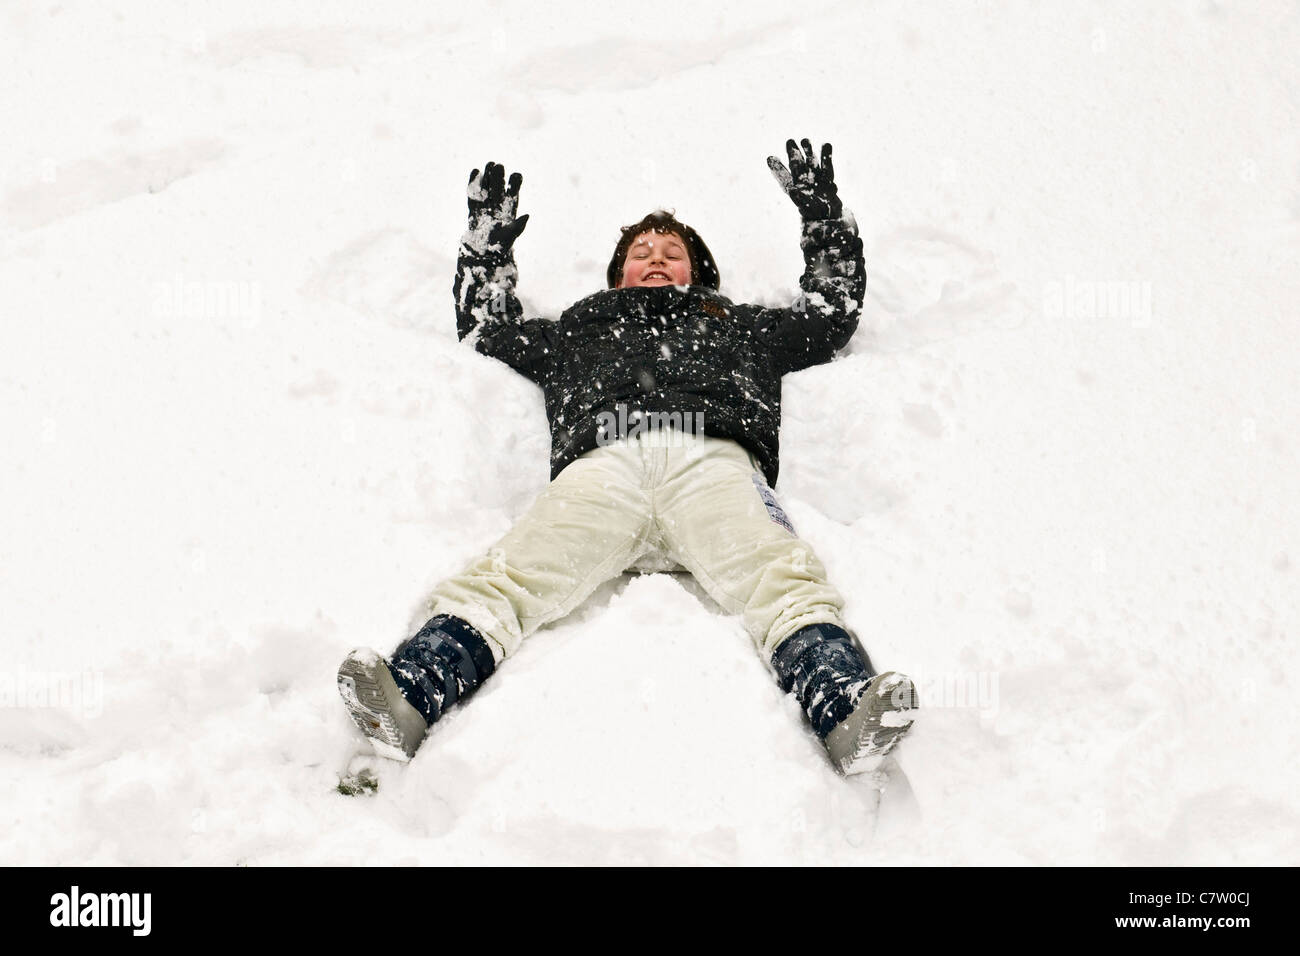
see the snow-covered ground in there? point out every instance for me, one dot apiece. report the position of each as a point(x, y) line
point(1056, 473)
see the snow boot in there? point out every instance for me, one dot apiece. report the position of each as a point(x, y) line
point(395, 702)
point(859, 715)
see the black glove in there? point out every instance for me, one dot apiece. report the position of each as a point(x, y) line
point(492, 207)
point(809, 185)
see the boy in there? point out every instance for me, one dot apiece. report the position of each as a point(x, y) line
point(693, 491)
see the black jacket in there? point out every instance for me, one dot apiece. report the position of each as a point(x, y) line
point(668, 349)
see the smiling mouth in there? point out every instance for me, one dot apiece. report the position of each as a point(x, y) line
point(656, 275)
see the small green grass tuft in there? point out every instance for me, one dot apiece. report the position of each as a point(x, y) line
point(361, 782)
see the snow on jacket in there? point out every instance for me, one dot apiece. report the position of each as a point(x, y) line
point(667, 349)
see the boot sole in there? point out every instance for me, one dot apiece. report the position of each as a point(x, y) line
point(394, 727)
point(861, 741)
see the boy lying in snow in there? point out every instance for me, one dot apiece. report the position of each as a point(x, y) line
point(659, 347)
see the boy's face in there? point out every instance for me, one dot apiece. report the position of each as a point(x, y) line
point(656, 259)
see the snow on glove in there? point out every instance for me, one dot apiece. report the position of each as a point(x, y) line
point(492, 207)
point(809, 184)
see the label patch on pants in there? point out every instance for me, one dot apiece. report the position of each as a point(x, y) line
point(774, 509)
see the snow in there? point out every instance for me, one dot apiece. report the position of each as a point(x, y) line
point(1055, 473)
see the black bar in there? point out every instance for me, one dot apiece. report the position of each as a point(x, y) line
point(977, 906)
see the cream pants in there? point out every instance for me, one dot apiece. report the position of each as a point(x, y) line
point(662, 500)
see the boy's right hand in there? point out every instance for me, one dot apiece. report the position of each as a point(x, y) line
point(492, 207)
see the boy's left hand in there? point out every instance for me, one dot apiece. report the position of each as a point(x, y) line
point(810, 185)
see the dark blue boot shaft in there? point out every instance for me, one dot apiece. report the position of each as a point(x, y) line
point(443, 663)
point(826, 670)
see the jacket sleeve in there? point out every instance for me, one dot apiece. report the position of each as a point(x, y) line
point(490, 317)
point(825, 315)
